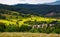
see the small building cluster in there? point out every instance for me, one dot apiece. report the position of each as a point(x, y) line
point(44, 25)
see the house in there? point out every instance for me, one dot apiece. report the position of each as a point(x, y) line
point(52, 23)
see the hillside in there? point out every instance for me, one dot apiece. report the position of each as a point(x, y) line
point(30, 18)
point(40, 10)
point(12, 17)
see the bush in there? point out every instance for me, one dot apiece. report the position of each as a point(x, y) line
point(41, 30)
point(12, 28)
point(24, 28)
point(57, 31)
point(2, 27)
point(34, 30)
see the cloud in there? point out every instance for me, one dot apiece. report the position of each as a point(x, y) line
point(39, 1)
point(11, 2)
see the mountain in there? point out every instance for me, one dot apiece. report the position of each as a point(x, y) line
point(32, 9)
point(54, 3)
point(53, 14)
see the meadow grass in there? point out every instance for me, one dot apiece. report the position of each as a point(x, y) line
point(21, 34)
point(13, 21)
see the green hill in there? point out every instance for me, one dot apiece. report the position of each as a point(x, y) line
point(13, 21)
point(13, 17)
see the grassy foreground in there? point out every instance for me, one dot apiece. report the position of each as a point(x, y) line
point(17, 34)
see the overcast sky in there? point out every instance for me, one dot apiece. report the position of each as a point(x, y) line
point(11, 2)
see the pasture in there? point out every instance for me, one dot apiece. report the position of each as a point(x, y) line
point(20, 34)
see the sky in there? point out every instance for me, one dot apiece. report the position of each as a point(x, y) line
point(12, 2)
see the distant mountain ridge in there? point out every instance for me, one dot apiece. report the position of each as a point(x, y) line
point(32, 9)
point(54, 3)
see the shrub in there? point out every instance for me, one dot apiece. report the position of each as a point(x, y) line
point(2, 27)
point(34, 30)
point(57, 31)
point(24, 28)
point(12, 28)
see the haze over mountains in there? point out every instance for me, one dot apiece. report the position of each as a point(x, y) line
point(35, 2)
point(12, 2)
point(54, 3)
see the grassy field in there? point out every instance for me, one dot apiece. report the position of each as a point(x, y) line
point(17, 34)
point(13, 21)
